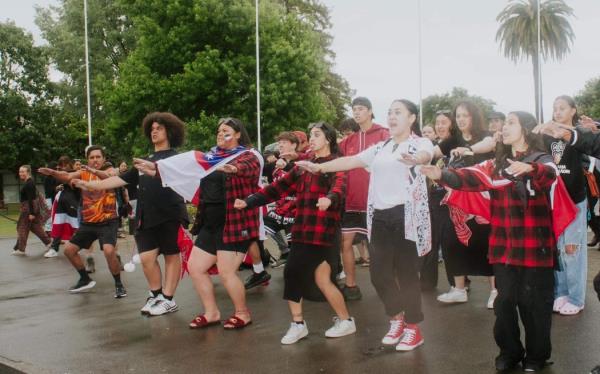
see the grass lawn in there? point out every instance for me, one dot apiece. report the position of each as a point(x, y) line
point(8, 228)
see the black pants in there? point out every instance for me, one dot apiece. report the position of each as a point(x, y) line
point(394, 265)
point(528, 293)
point(429, 263)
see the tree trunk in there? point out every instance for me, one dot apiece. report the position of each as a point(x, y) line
point(539, 112)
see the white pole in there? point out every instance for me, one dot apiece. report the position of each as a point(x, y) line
point(258, 81)
point(539, 51)
point(420, 67)
point(87, 74)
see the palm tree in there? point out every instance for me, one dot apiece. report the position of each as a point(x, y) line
point(518, 34)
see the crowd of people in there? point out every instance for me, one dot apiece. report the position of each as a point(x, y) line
point(509, 200)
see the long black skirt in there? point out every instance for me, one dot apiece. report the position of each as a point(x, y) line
point(467, 260)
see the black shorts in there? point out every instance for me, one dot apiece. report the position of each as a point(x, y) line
point(354, 223)
point(211, 240)
point(105, 233)
point(163, 236)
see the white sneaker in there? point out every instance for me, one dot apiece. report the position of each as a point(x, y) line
point(16, 252)
point(162, 306)
point(493, 294)
point(51, 253)
point(393, 336)
point(341, 328)
point(149, 302)
point(296, 332)
point(341, 275)
point(455, 295)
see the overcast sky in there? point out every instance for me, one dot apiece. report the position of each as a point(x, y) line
point(376, 43)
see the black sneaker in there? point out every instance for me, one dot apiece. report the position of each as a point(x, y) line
point(120, 292)
point(351, 293)
point(530, 367)
point(257, 279)
point(595, 370)
point(82, 285)
point(504, 363)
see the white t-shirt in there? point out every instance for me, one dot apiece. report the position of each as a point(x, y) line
point(388, 175)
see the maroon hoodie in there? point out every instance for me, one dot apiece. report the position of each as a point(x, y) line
point(357, 188)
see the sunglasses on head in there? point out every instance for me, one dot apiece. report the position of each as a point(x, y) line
point(443, 111)
point(316, 125)
point(227, 121)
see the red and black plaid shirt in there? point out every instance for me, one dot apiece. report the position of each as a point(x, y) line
point(311, 226)
point(521, 235)
point(241, 225)
point(286, 205)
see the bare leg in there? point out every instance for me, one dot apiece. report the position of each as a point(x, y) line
point(110, 253)
point(151, 269)
point(348, 259)
point(228, 264)
point(172, 273)
point(331, 292)
point(198, 265)
point(254, 253)
point(71, 252)
point(296, 310)
point(459, 282)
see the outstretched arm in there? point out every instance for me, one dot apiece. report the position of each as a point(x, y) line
point(61, 176)
point(105, 184)
point(339, 164)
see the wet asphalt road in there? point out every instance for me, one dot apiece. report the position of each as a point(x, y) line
point(43, 329)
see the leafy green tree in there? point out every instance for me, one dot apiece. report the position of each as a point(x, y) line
point(449, 100)
point(110, 39)
point(588, 100)
point(517, 34)
point(33, 128)
point(196, 58)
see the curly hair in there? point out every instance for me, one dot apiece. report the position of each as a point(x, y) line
point(173, 125)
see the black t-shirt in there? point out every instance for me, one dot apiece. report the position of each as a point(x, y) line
point(28, 194)
point(132, 189)
point(268, 171)
point(156, 204)
point(50, 187)
point(456, 141)
point(570, 166)
point(213, 188)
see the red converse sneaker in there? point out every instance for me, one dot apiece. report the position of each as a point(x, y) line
point(396, 330)
point(411, 339)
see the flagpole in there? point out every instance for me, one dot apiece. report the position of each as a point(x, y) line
point(258, 81)
point(87, 74)
point(539, 51)
point(420, 67)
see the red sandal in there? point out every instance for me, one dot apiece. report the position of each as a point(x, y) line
point(200, 322)
point(234, 322)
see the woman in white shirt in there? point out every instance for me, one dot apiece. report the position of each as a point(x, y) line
point(398, 219)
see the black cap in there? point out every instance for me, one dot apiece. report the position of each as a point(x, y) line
point(496, 115)
point(362, 101)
